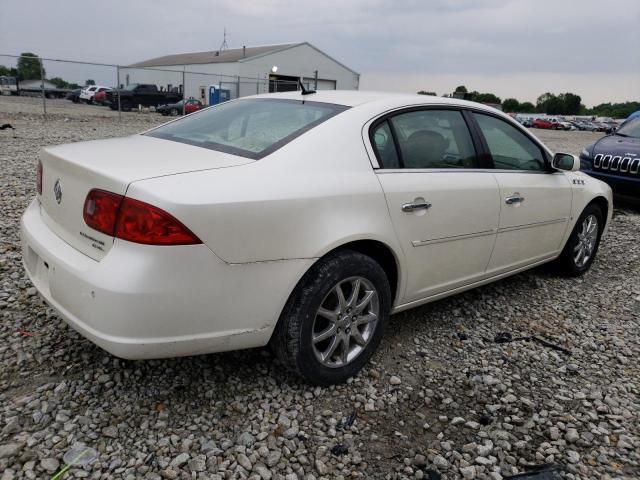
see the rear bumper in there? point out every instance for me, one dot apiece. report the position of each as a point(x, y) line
point(144, 301)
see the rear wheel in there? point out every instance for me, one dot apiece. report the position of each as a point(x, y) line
point(126, 106)
point(335, 318)
point(173, 112)
point(582, 245)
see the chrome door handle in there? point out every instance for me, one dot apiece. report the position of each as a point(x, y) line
point(513, 199)
point(410, 207)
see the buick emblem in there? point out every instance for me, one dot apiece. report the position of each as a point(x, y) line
point(57, 191)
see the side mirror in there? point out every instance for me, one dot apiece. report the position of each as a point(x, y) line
point(566, 161)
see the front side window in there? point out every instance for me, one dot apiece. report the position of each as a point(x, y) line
point(510, 149)
point(426, 139)
point(250, 128)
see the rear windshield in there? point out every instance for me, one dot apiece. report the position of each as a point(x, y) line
point(250, 128)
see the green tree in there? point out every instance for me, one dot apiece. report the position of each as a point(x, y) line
point(547, 103)
point(28, 66)
point(570, 103)
point(89, 82)
point(461, 89)
point(59, 82)
point(8, 72)
point(527, 107)
point(424, 92)
point(511, 105)
point(614, 110)
point(485, 98)
point(563, 104)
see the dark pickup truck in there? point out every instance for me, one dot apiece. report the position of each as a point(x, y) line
point(143, 94)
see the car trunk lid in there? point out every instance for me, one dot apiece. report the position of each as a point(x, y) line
point(71, 171)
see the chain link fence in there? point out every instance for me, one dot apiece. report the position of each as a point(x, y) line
point(125, 88)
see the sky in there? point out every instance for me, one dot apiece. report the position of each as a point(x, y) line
point(513, 48)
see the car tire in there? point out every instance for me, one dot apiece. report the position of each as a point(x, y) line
point(126, 106)
point(317, 331)
point(173, 112)
point(582, 239)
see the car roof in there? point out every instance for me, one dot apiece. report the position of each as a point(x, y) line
point(353, 98)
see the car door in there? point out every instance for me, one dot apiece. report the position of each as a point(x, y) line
point(535, 201)
point(443, 206)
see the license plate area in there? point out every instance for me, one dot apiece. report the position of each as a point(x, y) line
point(39, 270)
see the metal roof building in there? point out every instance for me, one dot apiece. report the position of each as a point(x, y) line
point(244, 71)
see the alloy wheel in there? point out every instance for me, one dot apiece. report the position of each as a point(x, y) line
point(345, 322)
point(587, 237)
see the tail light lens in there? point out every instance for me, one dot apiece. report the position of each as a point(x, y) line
point(39, 177)
point(100, 211)
point(133, 220)
point(140, 222)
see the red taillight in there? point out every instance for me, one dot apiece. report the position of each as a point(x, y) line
point(100, 211)
point(133, 220)
point(39, 177)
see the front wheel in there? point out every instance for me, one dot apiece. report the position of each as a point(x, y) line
point(583, 243)
point(335, 318)
point(173, 112)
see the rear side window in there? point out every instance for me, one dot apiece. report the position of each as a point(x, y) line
point(509, 147)
point(385, 146)
point(426, 139)
point(250, 128)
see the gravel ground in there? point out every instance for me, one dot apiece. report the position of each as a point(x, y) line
point(441, 398)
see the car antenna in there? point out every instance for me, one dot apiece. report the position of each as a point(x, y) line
point(304, 90)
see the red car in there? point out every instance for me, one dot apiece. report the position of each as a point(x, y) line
point(100, 96)
point(173, 109)
point(550, 124)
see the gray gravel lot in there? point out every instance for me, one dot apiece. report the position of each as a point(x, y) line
point(441, 397)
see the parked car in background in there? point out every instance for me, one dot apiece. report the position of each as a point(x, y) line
point(527, 122)
point(74, 95)
point(608, 126)
point(589, 126)
point(191, 105)
point(87, 94)
point(551, 123)
point(544, 123)
point(615, 159)
point(143, 94)
point(298, 220)
point(100, 96)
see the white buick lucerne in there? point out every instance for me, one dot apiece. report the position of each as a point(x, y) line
point(302, 221)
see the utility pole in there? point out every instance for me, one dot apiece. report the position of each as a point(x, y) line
point(118, 93)
point(184, 90)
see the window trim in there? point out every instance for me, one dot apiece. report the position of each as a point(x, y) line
point(485, 161)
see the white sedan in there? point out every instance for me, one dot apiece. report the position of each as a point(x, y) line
point(302, 221)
